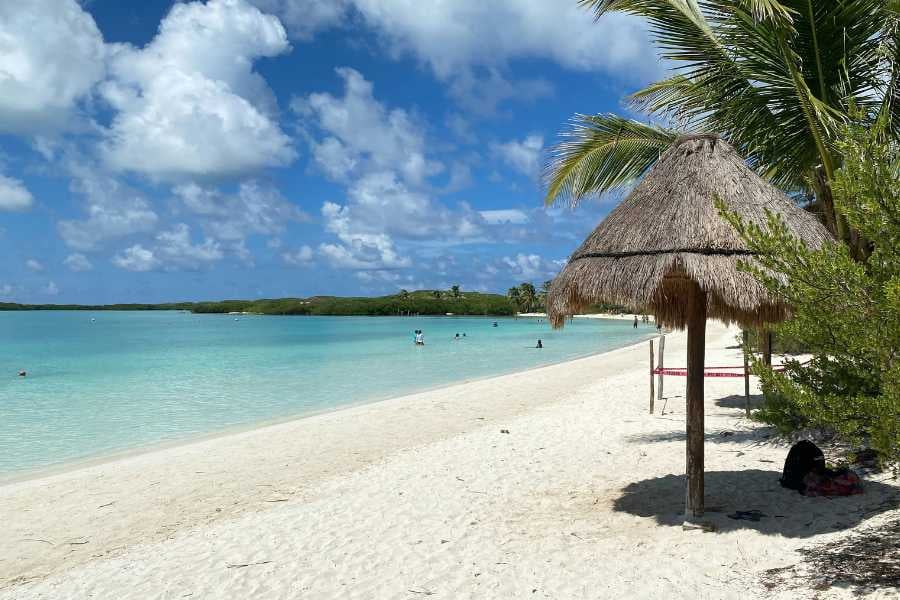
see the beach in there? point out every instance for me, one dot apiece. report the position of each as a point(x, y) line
point(553, 482)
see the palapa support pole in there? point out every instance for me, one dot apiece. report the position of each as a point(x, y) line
point(696, 349)
point(659, 378)
point(765, 342)
point(651, 377)
point(746, 347)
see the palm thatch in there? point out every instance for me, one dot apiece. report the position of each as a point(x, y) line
point(668, 234)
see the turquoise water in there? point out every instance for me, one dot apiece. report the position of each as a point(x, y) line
point(130, 379)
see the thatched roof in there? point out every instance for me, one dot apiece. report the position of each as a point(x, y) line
point(668, 231)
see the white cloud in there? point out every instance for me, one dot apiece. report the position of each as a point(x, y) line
point(361, 134)
point(51, 56)
point(379, 155)
point(531, 266)
point(359, 249)
point(299, 258)
point(114, 211)
point(78, 262)
point(305, 18)
point(483, 92)
point(512, 216)
point(175, 250)
point(189, 103)
point(453, 36)
point(172, 251)
point(14, 196)
point(34, 265)
point(523, 156)
point(51, 289)
point(136, 258)
point(6, 291)
point(254, 209)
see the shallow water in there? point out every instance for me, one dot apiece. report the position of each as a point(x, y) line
point(130, 379)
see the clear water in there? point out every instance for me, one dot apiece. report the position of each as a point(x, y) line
point(130, 379)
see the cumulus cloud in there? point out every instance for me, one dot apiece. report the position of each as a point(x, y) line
point(254, 209)
point(34, 265)
point(301, 257)
point(189, 103)
point(51, 56)
point(136, 258)
point(114, 211)
point(51, 289)
point(361, 134)
point(78, 262)
point(379, 155)
point(175, 250)
point(522, 155)
point(14, 196)
point(512, 216)
point(305, 18)
point(452, 36)
point(359, 249)
point(531, 266)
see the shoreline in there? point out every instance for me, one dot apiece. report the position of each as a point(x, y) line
point(158, 493)
point(549, 483)
point(104, 458)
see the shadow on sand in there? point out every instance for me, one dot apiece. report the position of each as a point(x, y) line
point(786, 512)
point(739, 402)
point(761, 435)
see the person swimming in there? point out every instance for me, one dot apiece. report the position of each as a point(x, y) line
point(22, 373)
point(457, 338)
point(539, 344)
point(495, 324)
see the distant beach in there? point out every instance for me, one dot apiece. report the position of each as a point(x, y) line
point(428, 495)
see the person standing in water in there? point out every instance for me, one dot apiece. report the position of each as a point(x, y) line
point(420, 338)
point(635, 321)
point(539, 344)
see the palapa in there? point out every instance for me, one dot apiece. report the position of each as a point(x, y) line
point(667, 250)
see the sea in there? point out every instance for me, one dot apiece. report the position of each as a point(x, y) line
point(99, 383)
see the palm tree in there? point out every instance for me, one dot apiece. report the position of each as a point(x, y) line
point(528, 296)
point(514, 297)
point(542, 295)
point(404, 294)
point(775, 77)
point(454, 291)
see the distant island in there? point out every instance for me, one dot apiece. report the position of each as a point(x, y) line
point(422, 302)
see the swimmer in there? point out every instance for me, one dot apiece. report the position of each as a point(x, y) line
point(22, 373)
point(457, 338)
point(539, 344)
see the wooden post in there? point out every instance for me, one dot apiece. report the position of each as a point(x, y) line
point(651, 377)
point(659, 378)
point(746, 346)
point(696, 349)
point(765, 342)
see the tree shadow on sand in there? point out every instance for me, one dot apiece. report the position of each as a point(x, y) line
point(724, 436)
point(740, 402)
point(785, 512)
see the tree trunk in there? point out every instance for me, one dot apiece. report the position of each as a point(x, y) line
point(696, 350)
point(765, 344)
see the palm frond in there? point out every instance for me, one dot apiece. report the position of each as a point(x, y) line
point(600, 153)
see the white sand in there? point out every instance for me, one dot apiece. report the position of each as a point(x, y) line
point(422, 496)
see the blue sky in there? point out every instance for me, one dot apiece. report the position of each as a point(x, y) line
point(154, 151)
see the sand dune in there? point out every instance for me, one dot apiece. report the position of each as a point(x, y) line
point(423, 496)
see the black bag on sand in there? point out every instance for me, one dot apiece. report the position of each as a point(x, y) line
point(803, 457)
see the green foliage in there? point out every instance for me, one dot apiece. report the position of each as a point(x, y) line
point(423, 302)
point(777, 78)
point(845, 312)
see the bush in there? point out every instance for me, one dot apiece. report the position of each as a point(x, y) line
point(846, 312)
